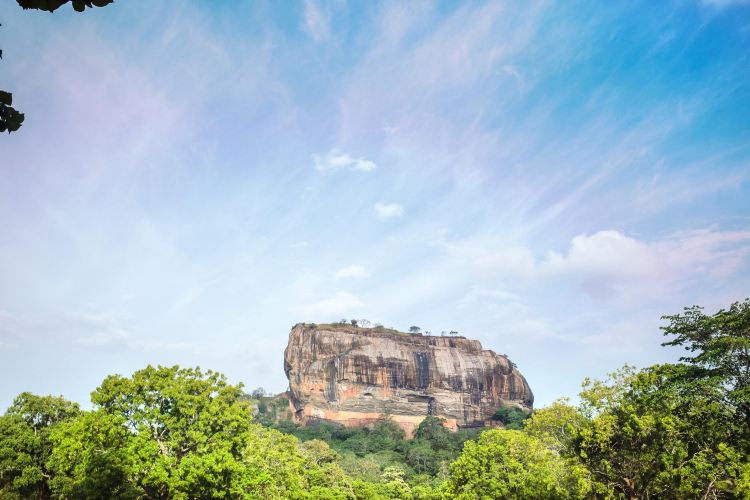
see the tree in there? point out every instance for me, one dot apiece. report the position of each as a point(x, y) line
point(432, 429)
point(354, 322)
point(25, 445)
point(558, 426)
point(656, 433)
point(275, 466)
point(511, 417)
point(453, 333)
point(415, 329)
point(511, 464)
point(185, 432)
point(259, 393)
point(95, 456)
point(721, 347)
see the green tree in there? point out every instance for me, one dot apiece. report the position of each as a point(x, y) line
point(422, 458)
point(432, 429)
point(721, 347)
point(185, 432)
point(511, 417)
point(25, 445)
point(277, 467)
point(656, 433)
point(95, 456)
point(511, 464)
point(558, 425)
point(386, 435)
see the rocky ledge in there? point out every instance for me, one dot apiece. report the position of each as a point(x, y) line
point(352, 376)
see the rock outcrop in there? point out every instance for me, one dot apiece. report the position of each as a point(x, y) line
point(353, 376)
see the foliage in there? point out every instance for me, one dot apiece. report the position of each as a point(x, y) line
point(276, 466)
point(10, 119)
point(53, 5)
point(721, 347)
point(184, 432)
point(665, 431)
point(558, 425)
point(25, 445)
point(512, 464)
point(511, 417)
point(656, 432)
point(366, 453)
point(93, 457)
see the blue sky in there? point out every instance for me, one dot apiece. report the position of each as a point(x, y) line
point(192, 180)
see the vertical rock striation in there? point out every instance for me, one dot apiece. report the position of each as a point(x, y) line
point(352, 376)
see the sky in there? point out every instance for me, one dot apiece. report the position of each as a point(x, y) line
point(193, 178)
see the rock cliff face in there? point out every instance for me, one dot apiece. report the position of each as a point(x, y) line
point(352, 376)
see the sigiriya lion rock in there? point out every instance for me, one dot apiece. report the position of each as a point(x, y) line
point(352, 376)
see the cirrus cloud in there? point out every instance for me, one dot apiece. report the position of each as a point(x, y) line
point(336, 160)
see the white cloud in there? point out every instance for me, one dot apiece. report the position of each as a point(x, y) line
point(610, 263)
point(335, 160)
point(341, 303)
point(317, 21)
point(388, 210)
point(353, 271)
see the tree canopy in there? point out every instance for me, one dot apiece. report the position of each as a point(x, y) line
point(668, 431)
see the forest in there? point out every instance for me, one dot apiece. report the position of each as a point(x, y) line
point(665, 431)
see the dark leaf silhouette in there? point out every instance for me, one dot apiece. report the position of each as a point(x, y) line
point(10, 119)
point(53, 5)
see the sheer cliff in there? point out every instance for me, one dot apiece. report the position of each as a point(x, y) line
point(353, 375)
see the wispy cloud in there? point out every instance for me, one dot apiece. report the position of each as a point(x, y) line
point(388, 210)
point(336, 160)
point(104, 330)
point(353, 271)
point(317, 20)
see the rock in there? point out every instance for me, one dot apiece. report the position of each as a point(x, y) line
point(353, 376)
